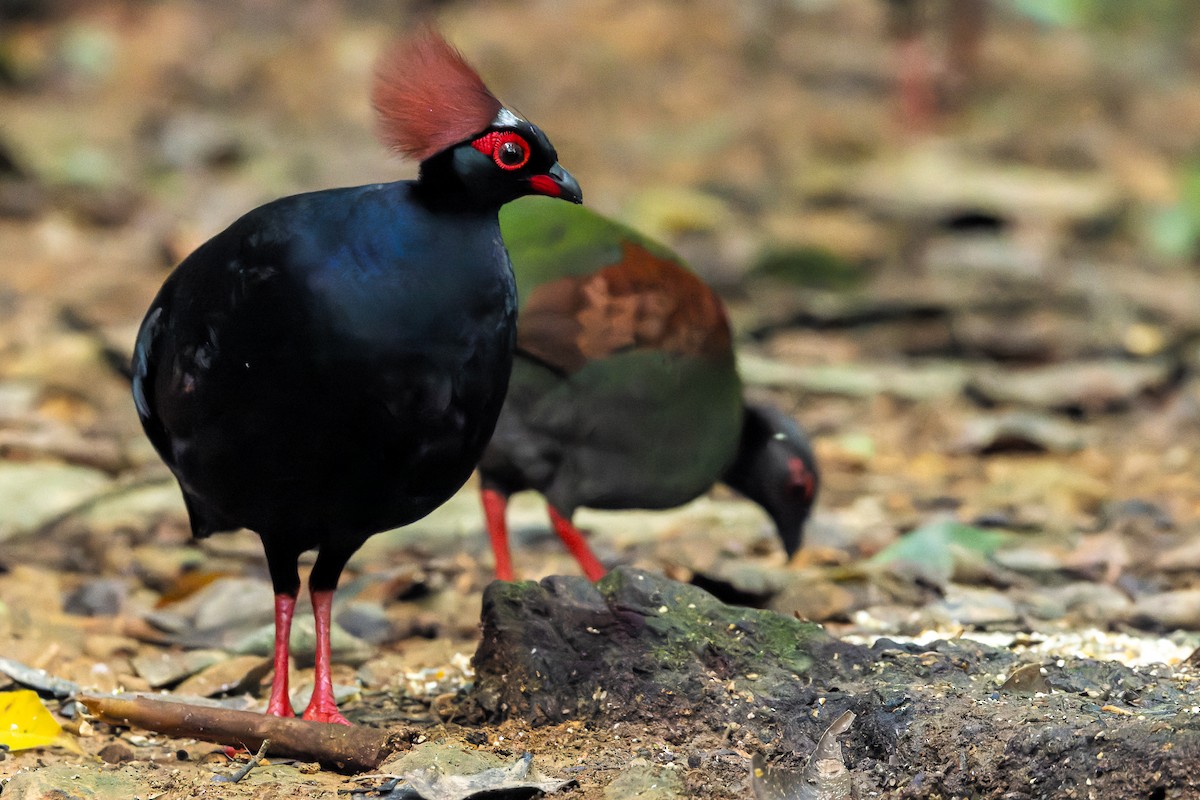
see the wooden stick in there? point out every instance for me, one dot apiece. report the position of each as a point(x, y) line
point(246, 768)
point(340, 747)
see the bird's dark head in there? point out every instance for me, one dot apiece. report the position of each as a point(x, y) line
point(775, 468)
point(432, 106)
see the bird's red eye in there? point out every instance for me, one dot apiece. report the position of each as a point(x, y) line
point(799, 476)
point(511, 154)
point(509, 150)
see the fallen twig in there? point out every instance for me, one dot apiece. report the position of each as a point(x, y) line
point(340, 747)
point(244, 770)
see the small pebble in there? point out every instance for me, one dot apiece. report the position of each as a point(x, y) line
point(116, 753)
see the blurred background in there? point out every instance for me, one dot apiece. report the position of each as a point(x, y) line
point(958, 239)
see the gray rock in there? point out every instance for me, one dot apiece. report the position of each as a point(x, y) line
point(166, 668)
point(38, 679)
point(73, 782)
point(228, 676)
point(224, 604)
point(1084, 600)
point(965, 605)
point(32, 494)
point(366, 621)
point(100, 597)
point(1167, 610)
point(346, 649)
point(645, 782)
point(136, 507)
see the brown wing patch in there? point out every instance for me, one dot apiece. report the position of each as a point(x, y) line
point(641, 302)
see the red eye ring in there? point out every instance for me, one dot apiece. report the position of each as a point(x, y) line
point(493, 144)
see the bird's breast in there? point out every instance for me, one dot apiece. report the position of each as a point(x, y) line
point(442, 290)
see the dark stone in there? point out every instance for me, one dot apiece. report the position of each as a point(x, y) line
point(639, 645)
point(367, 621)
point(102, 597)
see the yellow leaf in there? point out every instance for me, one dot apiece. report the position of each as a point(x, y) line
point(25, 722)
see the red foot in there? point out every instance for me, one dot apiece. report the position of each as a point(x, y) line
point(280, 708)
point(322, 707)
point(324, 710)
point(578, 546)
point(494, 505)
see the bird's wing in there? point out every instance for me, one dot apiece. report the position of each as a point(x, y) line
point(143, 368)
point(644, 301)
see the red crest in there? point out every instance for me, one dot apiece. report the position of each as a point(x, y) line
point(427, 97)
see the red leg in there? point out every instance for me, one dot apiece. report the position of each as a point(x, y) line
point(322, 707)
point(280, 705)
point(494, 506)
point(918, 102)
point(578, 546)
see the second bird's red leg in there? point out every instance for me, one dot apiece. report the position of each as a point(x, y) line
point(915, 87)
point(322, 707)
point(578, 546)
point(280, 705)
point(494, 506)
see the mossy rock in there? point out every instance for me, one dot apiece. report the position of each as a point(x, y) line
point(633, 644)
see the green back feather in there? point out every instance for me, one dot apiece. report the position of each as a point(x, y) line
point(549, 239)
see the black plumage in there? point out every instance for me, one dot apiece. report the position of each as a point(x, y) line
point(332, 364)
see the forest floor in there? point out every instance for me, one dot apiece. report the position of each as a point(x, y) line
point(990, 328)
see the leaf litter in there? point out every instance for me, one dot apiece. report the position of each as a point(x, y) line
point(1007, 421)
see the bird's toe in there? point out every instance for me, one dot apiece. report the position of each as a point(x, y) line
point(280, 708)
point(322, 712)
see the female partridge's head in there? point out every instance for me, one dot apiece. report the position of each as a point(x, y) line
point(427, 97)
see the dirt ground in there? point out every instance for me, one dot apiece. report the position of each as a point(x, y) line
point(985, 315)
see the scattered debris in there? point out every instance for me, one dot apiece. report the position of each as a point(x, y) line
point(824, 777)
point(437, 772)
point(1013, 350)
point(237, 775)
